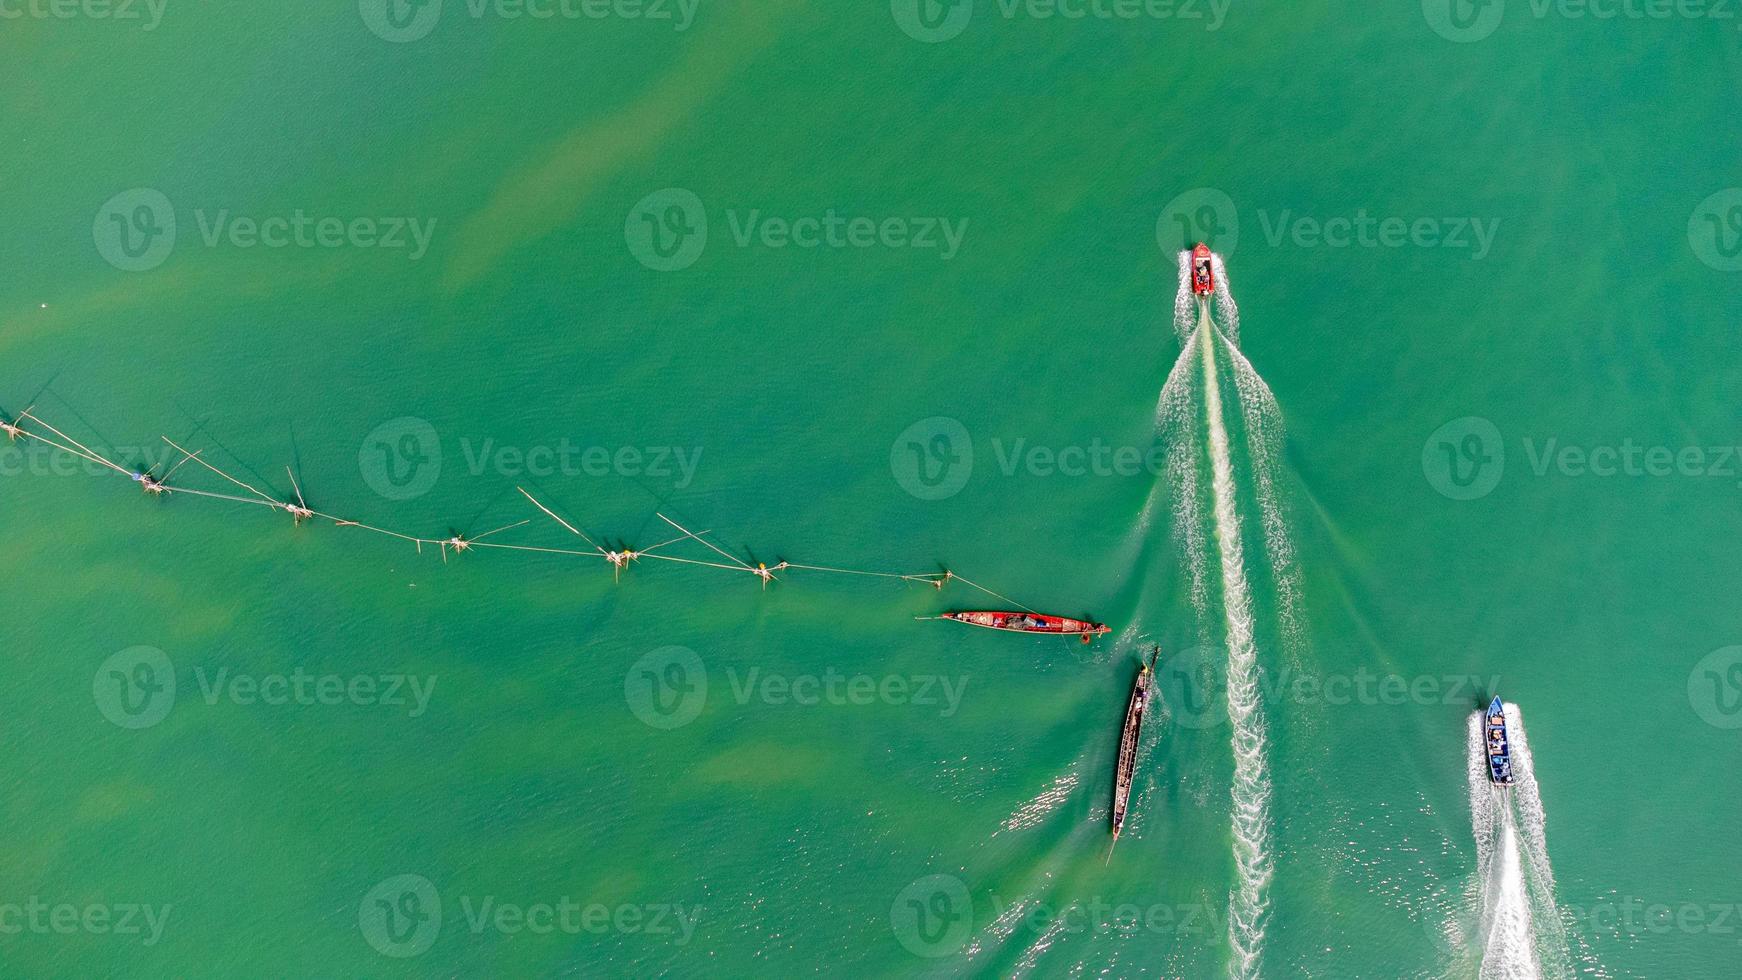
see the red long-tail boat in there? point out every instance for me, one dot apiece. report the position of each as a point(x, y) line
point(1027, 622)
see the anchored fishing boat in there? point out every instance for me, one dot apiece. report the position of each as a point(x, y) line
point(1499, 747)
point(1203, 271)
point(1128, 745)
point(1029, 622)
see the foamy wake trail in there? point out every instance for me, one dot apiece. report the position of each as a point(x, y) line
point(1263, 419)
point(1519, 930)
point(1227, 313)
point(1193, 421)
point(1250, 903)
point(1176, 417)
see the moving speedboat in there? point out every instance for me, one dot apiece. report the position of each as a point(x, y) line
point(1499, 749)
point(1027, 622)
point(1203, 271)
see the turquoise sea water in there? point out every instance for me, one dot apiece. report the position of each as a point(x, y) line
point(623, 779)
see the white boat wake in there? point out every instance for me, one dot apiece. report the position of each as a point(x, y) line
point(1251, 792)
point(1204, 513)
point(1518, 930)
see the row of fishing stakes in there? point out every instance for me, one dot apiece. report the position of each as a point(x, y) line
point(300, 511)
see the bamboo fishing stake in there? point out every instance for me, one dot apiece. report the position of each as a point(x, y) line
point(619, 560)
point(10, 427)
point(301, 511)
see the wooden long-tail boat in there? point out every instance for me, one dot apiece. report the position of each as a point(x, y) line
point(1140, 695)
point(1028, 622)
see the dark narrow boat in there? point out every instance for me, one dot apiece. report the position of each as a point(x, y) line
point(1140, 694)
point(1203, 271)
point(1025, 622)
point(1499, 747)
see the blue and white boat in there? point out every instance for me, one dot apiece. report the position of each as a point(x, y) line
point(1499, 746)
